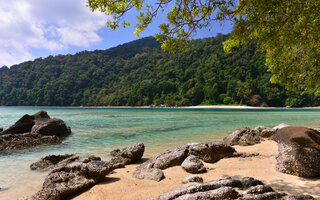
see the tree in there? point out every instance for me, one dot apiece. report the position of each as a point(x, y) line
point(288, 31)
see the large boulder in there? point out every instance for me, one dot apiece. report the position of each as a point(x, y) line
point(298, 151)
point(53, 161)
point(128, 155)
point(26, 140)
point(243, 136)
point(51, 127)
point(23, 125)
point(40, 123)
point(149, 174)
point(193, 165)
point(64, 182)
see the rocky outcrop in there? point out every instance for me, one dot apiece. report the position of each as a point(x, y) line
point(33, 130)
point(53, 161)
point(193, 165)
point(280, 126)
point(227, 189)
point(128, 155)
point(26, 140)
point(243, 136)
point(298, 151)
point(66, 181)
point(1, 129)
point(208, 152)
point(192, 179)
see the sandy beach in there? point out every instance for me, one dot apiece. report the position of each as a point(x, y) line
point(121, 185)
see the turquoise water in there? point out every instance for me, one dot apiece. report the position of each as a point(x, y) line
point(94, 132)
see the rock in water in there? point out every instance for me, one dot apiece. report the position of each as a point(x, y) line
point(128, 155)
point(63, 182)
point(23, 125)
point(26, 140)
point(52, 161)
point(298, 151)
point(51, 127)
point(243, 136)
point(193, 164)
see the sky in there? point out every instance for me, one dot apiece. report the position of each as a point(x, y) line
point(30, 29)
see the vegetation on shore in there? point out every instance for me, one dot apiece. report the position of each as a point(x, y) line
point(140, 73)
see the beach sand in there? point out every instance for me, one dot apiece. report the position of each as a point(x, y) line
point(120, 185)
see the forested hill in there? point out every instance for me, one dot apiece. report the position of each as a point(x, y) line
point(139, 73)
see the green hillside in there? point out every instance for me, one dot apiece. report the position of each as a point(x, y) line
point(139, 73)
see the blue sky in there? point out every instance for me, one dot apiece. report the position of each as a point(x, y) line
point(38, 28)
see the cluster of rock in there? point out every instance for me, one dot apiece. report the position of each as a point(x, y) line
point(33, 130)
point(70, 175)
point(298, 151)
point(189, 156)
point(246, 189)
point(246, 136)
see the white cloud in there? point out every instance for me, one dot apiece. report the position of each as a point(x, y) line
point(45, 24)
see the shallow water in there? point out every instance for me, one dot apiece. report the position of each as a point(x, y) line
point(94, 132)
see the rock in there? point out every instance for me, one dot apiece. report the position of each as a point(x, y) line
point(265, 196)
point(1, 129)
point(91, 158)
point(298, 151)
point(63, 182)
point(248, 182)
point(170, 158)
point(26, 140)
point(191, 179)
point(23, 125)
point(260, 128)
point(149, 174)
point(128, 155)
point(280, 126)
point(266, 133)
point(52, 161)
point(193, 165)
point(217, 194)
point(51, 127)
point(211, 152)
point(300, 197)
point(259, 189)
point(243, 136)
point(40, 123)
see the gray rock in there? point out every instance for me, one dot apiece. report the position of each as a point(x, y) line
point(52, 161)
point(248, 182)
point(63, 182)
point(266, 133)
point(192, 164)
point(26, 140)
point(91, 158)
point(300, 197)
point(128, 155)
point(280, 126)
point(259, 189)
point(149, 174)
point(171, 158)
point(1, 129)
point(211, 152)
point(260, 128)
point(191, 179)
point(217, 194)
point(204, 187)
point(298, 151)
point(265, 196)
point(243, 136)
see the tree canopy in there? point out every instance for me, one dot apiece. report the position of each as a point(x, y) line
point(287, 31)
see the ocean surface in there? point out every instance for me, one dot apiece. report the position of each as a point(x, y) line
point(95, 132)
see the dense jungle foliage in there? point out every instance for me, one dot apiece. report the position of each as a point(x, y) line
point(140, 73)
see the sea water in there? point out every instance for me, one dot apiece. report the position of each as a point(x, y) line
point(99, 130)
